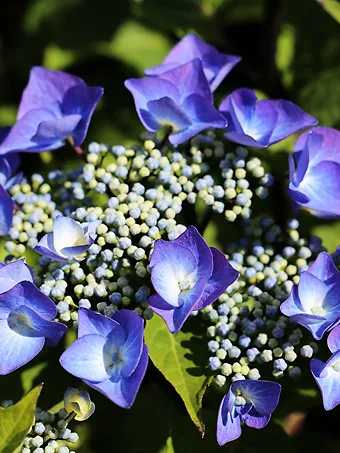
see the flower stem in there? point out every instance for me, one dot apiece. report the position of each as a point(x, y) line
point(77, 149)
point(165, 138)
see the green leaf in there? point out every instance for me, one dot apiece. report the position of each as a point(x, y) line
point(137, 45)
point(16, 421)
point(172, 355)
point(30, 374)
point(332, 7)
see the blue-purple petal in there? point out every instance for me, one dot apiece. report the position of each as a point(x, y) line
point(328, 381)
point(228, 426)
point(124, 391)
point(264, 395)
point(26, 293)
point(6, 211)
point(92, 323)
point(13, 273)
point(16, 350)
point(333, 340)
point(85, 358)
point(222, 276)
point(291, 119)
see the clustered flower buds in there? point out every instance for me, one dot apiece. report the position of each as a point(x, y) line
point(121, 239)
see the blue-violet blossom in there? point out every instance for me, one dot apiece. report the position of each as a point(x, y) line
point(54, 106)
point(315, 301)
point(180, 98)
point(8, 178)
point(187, 275)
point(26, 318)
point(315, 171)
point(216, 65)
point(261, 123)
point(327, 375)
point(248, 401)
point(69, 239)
point(109, 354)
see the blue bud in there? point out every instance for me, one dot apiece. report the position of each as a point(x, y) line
point(118, 150)
point(151, 194)
point(244, 341)
point(280, 364)
point(278, 333)
point(100, 272)
point(270, 283)
point(84, 303)
point(213, 346)
point(214, 363)
point(115, 298)
point(307, 351)
point(250, 272)
point(252, 353)
point(58, 274)
point(62, 306)
point(223, 309)
point(254, 291)
point(223, 329)
point(258, 250)
point(293, 224)
point(288, 251)
point(226, 344)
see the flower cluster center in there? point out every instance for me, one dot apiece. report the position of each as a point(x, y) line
point(185, 284)
point(318, 310)
point(336, 366)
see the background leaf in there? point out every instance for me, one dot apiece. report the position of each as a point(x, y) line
point(16, 421)
point(332, 7)
point(173, 356)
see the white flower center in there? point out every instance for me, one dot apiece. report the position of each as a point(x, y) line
point(318, 310)
point(336, 366)
point(240, 401)
point(185, 284)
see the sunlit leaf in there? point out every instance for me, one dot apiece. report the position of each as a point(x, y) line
point(173, 356)
point(16, 421)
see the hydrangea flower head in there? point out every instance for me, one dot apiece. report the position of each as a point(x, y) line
point(26, 316)
point(69, 240)
point(315, 301)
point(187, 275)
point(261, 123)
point(216, 65)
point(79, 401)
point(248, 401)
point(315, 171)
point(54, 106)
point(180, 98)
point(327, 375)
point(109, 355)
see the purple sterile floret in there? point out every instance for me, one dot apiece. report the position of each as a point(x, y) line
point(187, 275)
point(69, 239)
point(180, 98)
point(327, 375)
point(261, 123)
point(216, 65)
point(315, 301)
point(109, 354)
point(54, 106)
point(8, 178)
point(26, 318)
point(248, 401)
point(315, 172)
